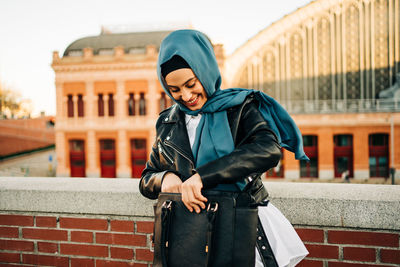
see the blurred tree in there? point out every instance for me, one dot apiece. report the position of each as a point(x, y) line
point(11, 104)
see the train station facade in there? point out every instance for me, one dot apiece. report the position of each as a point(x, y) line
point(334, 65)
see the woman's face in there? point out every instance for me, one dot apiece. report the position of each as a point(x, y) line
point(186, 88)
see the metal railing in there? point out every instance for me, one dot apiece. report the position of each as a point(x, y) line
point(341, 106)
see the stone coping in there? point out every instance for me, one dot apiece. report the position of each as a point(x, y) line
point(313, 204)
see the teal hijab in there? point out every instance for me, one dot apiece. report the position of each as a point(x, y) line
point(213, 136)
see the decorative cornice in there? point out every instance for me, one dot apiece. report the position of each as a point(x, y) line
point(103, 66)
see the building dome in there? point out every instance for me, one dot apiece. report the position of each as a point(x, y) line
point(132, 42)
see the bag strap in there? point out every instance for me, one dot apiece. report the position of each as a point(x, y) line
point(166, 218)
point(264, 248)
point(211, 215)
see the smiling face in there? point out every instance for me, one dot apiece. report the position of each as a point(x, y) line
point(186, 88)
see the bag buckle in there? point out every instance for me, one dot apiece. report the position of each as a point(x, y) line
point(212, 206)
point(167, 205)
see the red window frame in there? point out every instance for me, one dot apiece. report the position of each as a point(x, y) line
point(138, 156)
point(310, 169)
point(107, 158)
point(378, 152)
point(343, 149)
point(77, 158)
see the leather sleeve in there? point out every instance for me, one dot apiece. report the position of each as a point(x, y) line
point(256, 152)
point(152, 176)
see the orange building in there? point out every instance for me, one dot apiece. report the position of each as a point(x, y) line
point(108, 100)
point(333, 64)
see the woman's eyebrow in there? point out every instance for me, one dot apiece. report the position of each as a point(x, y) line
point(175, 86)
point(188, 80)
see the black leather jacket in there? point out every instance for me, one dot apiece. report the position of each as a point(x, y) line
point(256, 151)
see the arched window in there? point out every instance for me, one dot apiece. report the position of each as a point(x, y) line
point(80, 106)
point(70, 106)
point(131, 105)
point(142, 105)
point(110, 105)
point(100, 105)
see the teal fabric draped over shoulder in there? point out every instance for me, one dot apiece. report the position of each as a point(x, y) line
point(213, 136)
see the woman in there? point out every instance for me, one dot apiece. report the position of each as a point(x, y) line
point(215, 139)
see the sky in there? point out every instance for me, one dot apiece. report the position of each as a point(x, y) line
point(31, 30)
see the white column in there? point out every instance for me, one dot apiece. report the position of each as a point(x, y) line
point(75, 105)
point(390, 48)
point(361, 15)
point(92, 155)
point(333, 55)
point(60, 101)
point(120, 101)
point(260, 72)
point(123, 150)
point(372, 50)
point(152, 98)
point(315, 65)
point(367, 41)
point(65, 108)
point(62, 168)
point(90, 101)
point(282, 74)
point(343, 54)
point(105, 101)
point(136, 96)
point(397, 35)
point(277, 74)
point(338, 39)
point(286, 54)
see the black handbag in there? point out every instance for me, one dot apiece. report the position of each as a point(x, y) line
point(223, 234)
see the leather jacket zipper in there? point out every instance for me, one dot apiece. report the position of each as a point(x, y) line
point(164, 153)
point(181, 153)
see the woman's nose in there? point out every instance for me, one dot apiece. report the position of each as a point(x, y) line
point(186, 95)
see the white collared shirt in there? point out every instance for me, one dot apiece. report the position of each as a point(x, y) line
point(191, 125)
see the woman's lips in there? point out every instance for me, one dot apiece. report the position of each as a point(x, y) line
point(192, 102)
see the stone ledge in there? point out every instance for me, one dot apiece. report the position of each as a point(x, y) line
point(313, 204)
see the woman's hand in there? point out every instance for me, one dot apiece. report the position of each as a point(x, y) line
point(191, 194)
point(171, 183)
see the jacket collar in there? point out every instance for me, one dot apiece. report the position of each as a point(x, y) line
point(178, 135)
point(174, 115)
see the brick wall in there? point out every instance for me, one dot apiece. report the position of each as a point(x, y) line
point(21, 135)
point(31, 240)
point(103, 222)
point(344, 247)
